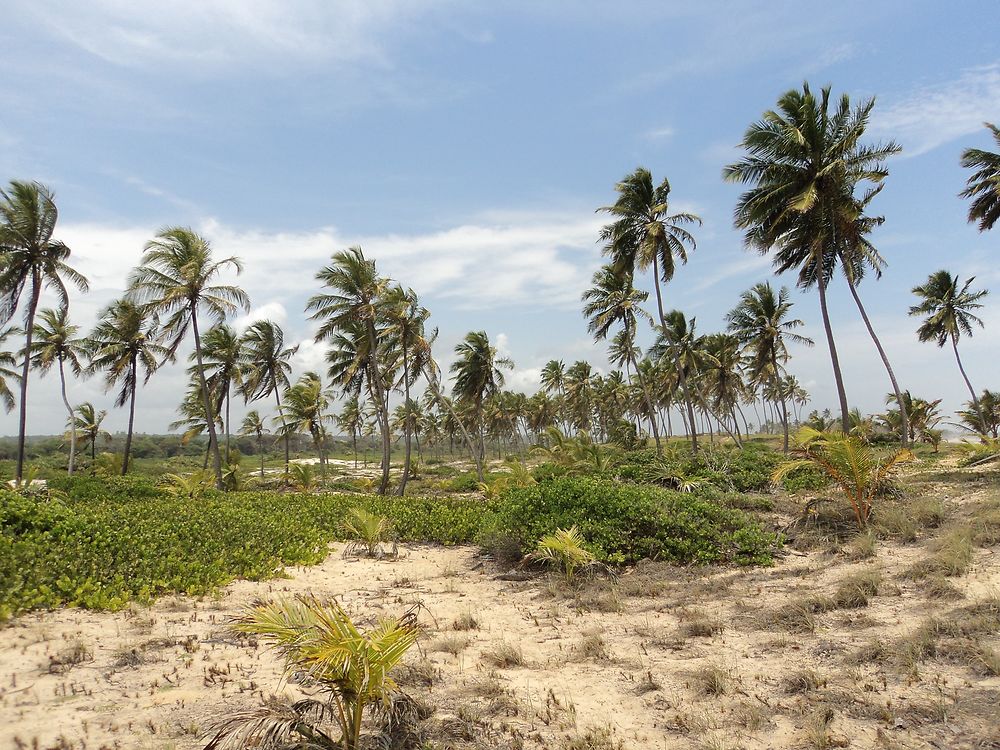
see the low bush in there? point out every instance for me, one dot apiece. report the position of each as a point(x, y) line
point(626, 523)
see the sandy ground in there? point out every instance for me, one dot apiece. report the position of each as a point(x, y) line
point(632, 658)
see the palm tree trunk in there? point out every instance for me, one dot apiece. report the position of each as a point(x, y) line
point(432, 381)
point(649, 403)
point(281, 416)
point(69, 409)
point(968, 384)
point(22, 418)
point(682, 379)
point(406, 423)
point(903, 416)
point(131, 416)
point(845, 419)
point(213, 440)
point(229, 453)
point(781, 398)
point(260, 450)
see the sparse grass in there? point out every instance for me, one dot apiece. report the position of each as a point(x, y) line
point(857, 589)
point(504, 656)
point(465, 621)
point(595, 738)
point(450, 644)
point(938, 587)
point(799, 615)
point(699, 624)
point(751, 716)
point(75, 654)
point(593, 647)
point(711, 680)
point(863, 547)
point(875, 651)
point(951, 555)
point(818, 733)
point(985, 523)
point(802, 681)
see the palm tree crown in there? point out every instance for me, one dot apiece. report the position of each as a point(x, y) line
point(983, 185)
point(948, 308)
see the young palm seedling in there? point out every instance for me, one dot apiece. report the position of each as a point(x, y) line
point(369, 534)
point(563, 550)
point(349, 668)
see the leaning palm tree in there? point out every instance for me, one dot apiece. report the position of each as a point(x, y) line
point(347, 668)
point(253, 425)
point(614, 301)
point(30, 258)
point(353, 300)
point(88, 421)
point(762, 323)
point(478, 371)
point(8, 369)
point(125, 340)
point(306, 403)
point(55, 343)
point(804, 162)
point(176, 281)
point(949, 314)
point(983, 185)
point(645, 234)
point(267, 365)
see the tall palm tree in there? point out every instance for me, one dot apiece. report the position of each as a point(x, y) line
point(267, 365)
point(222, 351)
point(193, 418)
point(176, 281)
point(645, 234)
point(405, 318)
point(804, 162)
point(354, 299)
point(553, 380)
point(253, 425)
point(88, 421)
point(762, 323)
point(30, 258)
point(612, 300)
point(8, 369)
point(348, 421)
point(983, 185)
point(125, 339)
point(949, 314)
point(478, 371)
point(55, 342)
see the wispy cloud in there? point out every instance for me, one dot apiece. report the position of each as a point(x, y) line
point(658, 134)
point(938, 113)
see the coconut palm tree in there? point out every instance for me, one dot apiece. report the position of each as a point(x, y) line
point(306, 404)
point(405, 320)
point(253, 425)
point(348, 421)
point(55, 342)
point(983, 185)
point(193, 418)
point(762, 323)
point(553, 381)
point(949, 314)
point(8, 369)
point(613, 301)
point(125, 339)
point(267, 365)
point(354, 301)
point(804, 162)
point(176, 281)
point(645, 234)
point(222, 352)
point(478, 371)
point(30, 259)
point(88, 421)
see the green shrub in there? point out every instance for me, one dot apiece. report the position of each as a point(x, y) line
point(626, 523)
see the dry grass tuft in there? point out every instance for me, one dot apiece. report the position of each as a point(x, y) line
point(951, 555)
point(595, 738)
point(450, 644)
point(711, 680)
point(938, 587)
point(697, 623)
point(504, 656)
point(857, 589)
point(593, 647)
point(465, 621)
point(802, 681)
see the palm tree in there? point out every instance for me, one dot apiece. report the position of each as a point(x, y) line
point(949, 314)
point(193, 417)
point(267, 365)
point(55, 342)
point(804, 163)
point(478, 374)
point(405, 323)
point(125, 339)
point(88, 421)
point(175, 281)
point(983, 185)
point(348, 421)
point(222, 351)
point(306, 403)
point(612, 300)
point(254, 425)
point(8, 369)
point(645, 233)
point(553, 381)
point(354, 300)
point(762, 324)
point(29, 257)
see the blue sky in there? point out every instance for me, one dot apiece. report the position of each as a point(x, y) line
point(466, 145)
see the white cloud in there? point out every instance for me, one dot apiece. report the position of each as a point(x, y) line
point(658, 134)
point(273, 311)
point(939, 113)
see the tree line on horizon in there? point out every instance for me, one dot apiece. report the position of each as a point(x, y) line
point(810, 181)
